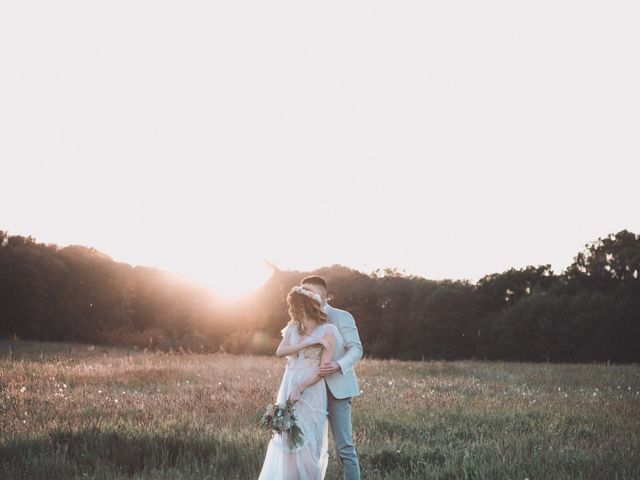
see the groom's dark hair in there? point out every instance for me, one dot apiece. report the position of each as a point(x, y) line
point(315, 280)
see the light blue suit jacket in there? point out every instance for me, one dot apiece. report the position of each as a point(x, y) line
point(344, 383)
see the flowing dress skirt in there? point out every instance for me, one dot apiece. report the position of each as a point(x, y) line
point(309, 461)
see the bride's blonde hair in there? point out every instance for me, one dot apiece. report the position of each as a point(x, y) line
point(304, 303)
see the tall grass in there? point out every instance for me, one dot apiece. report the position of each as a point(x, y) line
point(73, 411)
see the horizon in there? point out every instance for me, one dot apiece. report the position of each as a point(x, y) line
point(272, 267)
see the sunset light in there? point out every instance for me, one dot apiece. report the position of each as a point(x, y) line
point(231, 281)
point(319, 240)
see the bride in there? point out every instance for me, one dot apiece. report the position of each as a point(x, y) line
point(307, 340)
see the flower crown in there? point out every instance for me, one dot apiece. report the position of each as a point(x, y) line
point(304, 291)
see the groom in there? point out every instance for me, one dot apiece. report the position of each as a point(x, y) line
point(340, 379)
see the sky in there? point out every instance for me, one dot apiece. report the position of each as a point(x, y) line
point(447, 139)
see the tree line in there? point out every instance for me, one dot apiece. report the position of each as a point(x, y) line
point(589, 312)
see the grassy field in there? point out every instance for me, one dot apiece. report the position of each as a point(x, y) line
point(75, 411)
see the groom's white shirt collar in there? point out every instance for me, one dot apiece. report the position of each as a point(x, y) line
point(326, 307)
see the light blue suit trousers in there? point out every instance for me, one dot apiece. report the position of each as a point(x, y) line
point(340, 421)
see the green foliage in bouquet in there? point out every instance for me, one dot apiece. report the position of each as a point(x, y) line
point(278, 418)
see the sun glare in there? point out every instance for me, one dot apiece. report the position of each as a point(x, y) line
point(232, 281)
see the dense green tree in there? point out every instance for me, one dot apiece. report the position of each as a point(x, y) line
point(607, 261)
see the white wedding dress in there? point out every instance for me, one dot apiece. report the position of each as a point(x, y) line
point(308, 461)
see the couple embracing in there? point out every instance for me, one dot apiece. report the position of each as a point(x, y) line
point(321, 344)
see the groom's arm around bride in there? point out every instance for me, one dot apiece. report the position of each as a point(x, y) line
point(354, 352)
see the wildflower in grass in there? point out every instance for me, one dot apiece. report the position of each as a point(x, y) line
point(281, 418)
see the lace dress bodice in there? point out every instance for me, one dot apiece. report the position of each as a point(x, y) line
point(312, 353)
point(309, 355)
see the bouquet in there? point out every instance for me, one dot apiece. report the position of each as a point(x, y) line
point(281, 418)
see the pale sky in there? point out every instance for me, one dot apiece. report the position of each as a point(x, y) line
point(449, 138)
